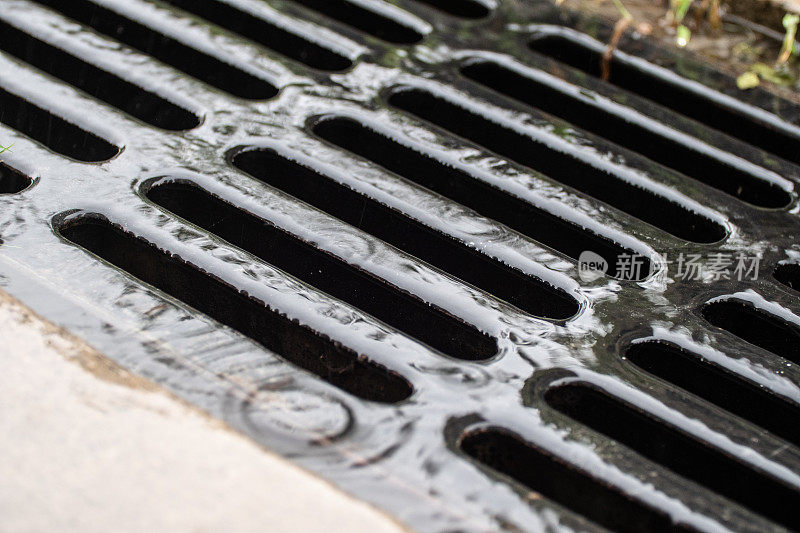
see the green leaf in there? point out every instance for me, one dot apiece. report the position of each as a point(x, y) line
point(681, 8)
point(748, 80)
point(683, 35)
point(623, 11)
point(780, 75)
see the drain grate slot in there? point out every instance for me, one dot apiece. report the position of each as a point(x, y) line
point(364, 19)
point(463, 188)
point(12, 181)
point(184, 58)
point(548, 475)
point(53, 131)
point(789, 275)
point(676, 450)
point(670, 90)
point(266, 33)
point(298, 344)
point(640, 203)
point(602, 120)
point(469, 9)
point(392, 226)
point(325, 271)
point(101, 84)
point(756, 327)
point(733, 393)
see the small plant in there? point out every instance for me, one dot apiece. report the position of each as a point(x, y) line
point(789, 22)
point(5, 148)
point(679, 10)
point(619, 28)
point(780, 73)
point(714, 14)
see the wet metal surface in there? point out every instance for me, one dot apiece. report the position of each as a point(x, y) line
point(386, 351)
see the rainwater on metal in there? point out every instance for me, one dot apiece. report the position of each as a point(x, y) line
point(351, 229)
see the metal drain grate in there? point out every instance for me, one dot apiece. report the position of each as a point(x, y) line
point(352, 229)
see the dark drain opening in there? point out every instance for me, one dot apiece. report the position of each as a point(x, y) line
point(298, 344)
point(471, 192)
point(53, 131)
point(184, 58)
point(554, 479)
point(592, 117)
point(399, 230)
point(671, 92)
point(722, 388)
point(123, 95)
point(756, 327)
point(789, 275)
point(12, 181)
point(640, 203)
point(326, 272)
point(365, 20)
point(470, 9)
point(677, 451)
point(263, 32)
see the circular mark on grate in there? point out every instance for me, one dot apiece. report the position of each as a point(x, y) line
point(298, 415)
